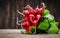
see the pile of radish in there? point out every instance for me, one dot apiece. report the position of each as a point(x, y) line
point(39, 20)
point(32, 17)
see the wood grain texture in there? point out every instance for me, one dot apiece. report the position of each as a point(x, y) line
point(8, 11)
point(15, 33)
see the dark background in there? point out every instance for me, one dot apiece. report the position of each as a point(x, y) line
point(8, 12)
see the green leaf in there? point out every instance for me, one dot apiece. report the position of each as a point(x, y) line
point(45, 12)
point(49, 16)
point(44, 25)
point(32, 29)
point(53, 30)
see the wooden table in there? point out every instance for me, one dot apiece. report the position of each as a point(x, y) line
point(15, 33)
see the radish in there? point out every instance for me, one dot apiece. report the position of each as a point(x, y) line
point(34, 23)
point(23, 24)
point(36, 9)
point(28, 29)
point(26, 13)
point(26, 18)
point(31, 10)
point(26, 24)
point(38, 17)
point(31, 17)
point(40, 11)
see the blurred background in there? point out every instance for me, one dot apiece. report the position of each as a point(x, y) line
point(8, 11)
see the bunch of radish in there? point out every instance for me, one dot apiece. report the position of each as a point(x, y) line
point(32, 17)
point(38, 20)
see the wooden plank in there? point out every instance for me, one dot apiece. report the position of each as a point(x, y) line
point(15, 33)
point(10, 30)
point(8, 14)
point(13, 14)
point(29, 36)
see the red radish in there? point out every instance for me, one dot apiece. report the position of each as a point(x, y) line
point(26, 12)
point(38, 17)
point(34, 23)
point(26, 24)
point(27, 29)
point(31, 11)
point(31, 17)
point(35, 12)
point(41, 10)
point(37, 9)
point(23, 24)
point(26, 18)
